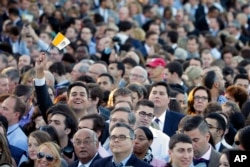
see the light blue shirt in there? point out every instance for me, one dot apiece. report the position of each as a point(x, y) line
point(16, 137)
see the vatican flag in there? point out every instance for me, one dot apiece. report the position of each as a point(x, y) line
point(60, 41)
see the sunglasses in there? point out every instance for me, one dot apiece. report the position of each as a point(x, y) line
point(48, 157)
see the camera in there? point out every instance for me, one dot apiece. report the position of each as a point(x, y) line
point(68, 151)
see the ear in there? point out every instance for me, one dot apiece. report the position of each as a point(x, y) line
point(67, 131)
point(98, 133)
point(150, 142)
point(207, 136)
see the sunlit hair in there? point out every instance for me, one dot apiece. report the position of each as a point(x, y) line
point(55, 149)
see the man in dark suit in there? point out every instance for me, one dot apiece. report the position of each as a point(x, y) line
point(121, 144)
point(85, 143)
point(167, 120)
point(217, 128)
point(204, 154)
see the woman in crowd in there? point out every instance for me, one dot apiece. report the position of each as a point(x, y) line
point(5, 155)
point(35, 139)
point(224, 159)
point(48, 155)
point(198, 99)
point(143, 139)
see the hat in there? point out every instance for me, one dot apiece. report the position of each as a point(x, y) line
point(156, 62)
point(4, 122)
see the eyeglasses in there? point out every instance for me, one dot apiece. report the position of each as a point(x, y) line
point(136, 76)
point(120, 137)
point(144, 114)
point(237, 142)
point(212, 127)
point(202, 98)
point(41, 155)
point(85, 142)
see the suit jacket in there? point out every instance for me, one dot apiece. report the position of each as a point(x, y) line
point(172, 120)
point(75, 163)
point(133, 161)
point(214, 158)
point(143, 50)
point(222, 147)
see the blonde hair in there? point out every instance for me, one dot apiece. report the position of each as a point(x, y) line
point(55, 149)
point(138, 34)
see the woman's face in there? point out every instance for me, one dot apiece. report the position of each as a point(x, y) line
point(32, 148)
point(224, 161)
point(200, 101)
point(141, 142)
point(43, 162)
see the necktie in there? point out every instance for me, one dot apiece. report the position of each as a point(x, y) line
point(157, 120)
point(200, 160)
point(117, 164)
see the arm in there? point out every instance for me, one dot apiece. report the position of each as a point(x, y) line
point(43, 99)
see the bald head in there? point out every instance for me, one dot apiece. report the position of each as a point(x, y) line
point(97, 69)
point(85, 133)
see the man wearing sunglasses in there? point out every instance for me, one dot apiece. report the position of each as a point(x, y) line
point(121, 144)
point(144, 113)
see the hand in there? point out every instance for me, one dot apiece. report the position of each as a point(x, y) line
point(40, 65)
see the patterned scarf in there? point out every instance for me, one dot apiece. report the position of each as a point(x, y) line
point(148, 157)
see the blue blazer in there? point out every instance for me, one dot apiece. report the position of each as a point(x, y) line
point(133, 161)
point(75, 163)
point(172, 120)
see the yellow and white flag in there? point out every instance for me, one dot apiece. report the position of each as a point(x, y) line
point(60, 41)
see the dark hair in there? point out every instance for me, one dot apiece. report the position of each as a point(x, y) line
point(161, 83)
point(22, 90)
point(58, 67)
point(144, 102)
point(124, 25)
point(240, 76)
point(150, 33)
point(194, 123)
point(175, 67)
point(52, 132)
point(212, 106)
point(220, 121)
point(111, 78)
point(209, 79)
point(173, 36)
point(147, 132)
point(85, 78)
point(41, 136)
point(245, 109)
point(70, 118)
point(95, 91)
point(244, 135)
point(179, 138)
point(129, 61)
point(98, 121)
point(77, 83)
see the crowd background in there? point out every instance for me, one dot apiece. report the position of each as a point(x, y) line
point(159, 62)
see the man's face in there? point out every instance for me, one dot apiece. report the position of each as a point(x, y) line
point(84, 145)
point(23, 61)
point(112, 69)
point(181, 32)
point(207, 59)
point(121, 147)
point(155, 72)
point(159, 96)
point(7, 110)
point(128, 68)
point(58, 122)
point(213, 128)
point(152, 40)
point(200, 141)
point(86, 34)
point(200, 101)
point(244, 83)
point(105, 83)
point(123, 98)
point(136, 76)
point(182, 154)
point(55, 56)
point(78, 98)
point(71, 33)
point(118, 116)
point(168, 76)
point(144, 116)
point(86, 123)
point(4, 85)
point(192, 46)
point(135, 98)
point(194, 62)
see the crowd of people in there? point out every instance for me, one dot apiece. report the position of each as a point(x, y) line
point(162, 83)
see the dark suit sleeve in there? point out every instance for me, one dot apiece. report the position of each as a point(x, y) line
point(43, 100)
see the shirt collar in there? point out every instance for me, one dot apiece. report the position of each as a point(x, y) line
point(208, 153)
point(87, 164)
point(124, 162)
